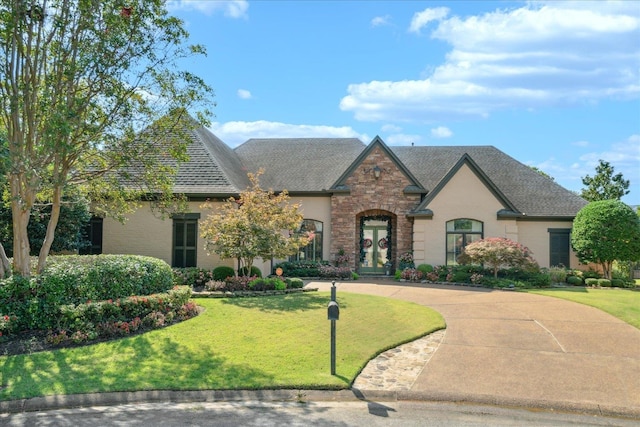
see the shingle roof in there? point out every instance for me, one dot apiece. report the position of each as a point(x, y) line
point(530, 192)
point(213, 167)
point(312, 165)
point(299, 164)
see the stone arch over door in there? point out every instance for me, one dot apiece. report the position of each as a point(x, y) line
point(376, 240)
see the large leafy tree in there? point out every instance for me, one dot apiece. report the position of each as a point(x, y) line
point(605, 231)
point(497, 252)
point(79, 82)
point(604, 185)
point(258, 224)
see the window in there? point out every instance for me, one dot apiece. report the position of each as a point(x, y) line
point(185, 240)
point(92, 234)
point(559, 239)
point(461, 232)
point(313, 251)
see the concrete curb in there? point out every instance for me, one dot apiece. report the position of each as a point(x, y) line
point(49, 403)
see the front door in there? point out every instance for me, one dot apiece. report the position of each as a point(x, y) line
point(374, 247)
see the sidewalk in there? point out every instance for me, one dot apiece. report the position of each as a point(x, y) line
point(500, 348)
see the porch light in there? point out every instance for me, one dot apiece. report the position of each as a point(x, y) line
point(376, 171)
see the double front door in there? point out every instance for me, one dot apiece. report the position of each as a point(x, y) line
point(375, 245)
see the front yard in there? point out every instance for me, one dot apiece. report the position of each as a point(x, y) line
point(238, 343)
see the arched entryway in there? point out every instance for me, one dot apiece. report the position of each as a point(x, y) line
point(376, 242)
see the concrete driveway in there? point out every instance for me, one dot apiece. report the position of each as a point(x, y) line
point(512, 348)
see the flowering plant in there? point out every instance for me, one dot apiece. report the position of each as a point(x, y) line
point(406, 257)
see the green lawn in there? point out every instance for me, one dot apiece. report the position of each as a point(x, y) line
point(242, 343)
point(622, 303)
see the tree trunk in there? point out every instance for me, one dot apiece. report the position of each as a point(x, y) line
point(5, 266)
point(51, 229)
point(21, 202)
point(606, 269)
point(21, 248)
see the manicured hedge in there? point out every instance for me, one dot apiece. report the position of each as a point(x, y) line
point(77, 279)
point(99, 277)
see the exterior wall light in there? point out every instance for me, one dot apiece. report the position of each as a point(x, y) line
point(376, 171)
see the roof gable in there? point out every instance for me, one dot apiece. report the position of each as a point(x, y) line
point(377, 142)
point(479, 173)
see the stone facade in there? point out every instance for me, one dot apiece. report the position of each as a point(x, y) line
point(370, 196)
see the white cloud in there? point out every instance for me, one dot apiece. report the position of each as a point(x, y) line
point(623, 156)
point(380, 21)
point(441, 132)
point(421, 19)
point(391, 128)
point(244, 94)
point(402, 139)
point(235, 133)
point(230, 8)
point(539, 55)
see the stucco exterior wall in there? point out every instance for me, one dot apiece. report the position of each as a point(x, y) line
point(464, 196)
point(145, 234)
point(535, 236)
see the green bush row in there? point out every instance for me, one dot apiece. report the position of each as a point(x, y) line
point(254, 283)
point(77, 278)
point(74, 279)
point(300, 268)
point(197, 277)
point(78, 316)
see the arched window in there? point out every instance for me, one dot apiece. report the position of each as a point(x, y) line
point(313, 251)
point(461, 232)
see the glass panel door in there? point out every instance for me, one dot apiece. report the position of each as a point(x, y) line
point(374, 247)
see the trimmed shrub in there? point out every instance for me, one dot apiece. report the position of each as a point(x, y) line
point(267, 284)
point(240, 283)
point(222, 272)
point(575, 281)
point(300, 268)
point(557, 274)
point(354, 275)
point(539, 280)
point(591, 274)
point(605, 283)
point(425, 268)
point(82, 316)
point(192, 276)
point(591, 281)
point(619, 283)
point(255, 271)
point(77, 278)
point(294, 283)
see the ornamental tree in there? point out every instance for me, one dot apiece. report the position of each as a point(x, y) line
point(79, 81)
point(605, 231)
point(258, 224)
point(497, 252)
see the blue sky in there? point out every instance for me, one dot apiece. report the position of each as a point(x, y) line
point(555, 85)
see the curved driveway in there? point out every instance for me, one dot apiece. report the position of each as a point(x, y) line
point(512, 348)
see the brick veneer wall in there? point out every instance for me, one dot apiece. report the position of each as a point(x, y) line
point(369, 197)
